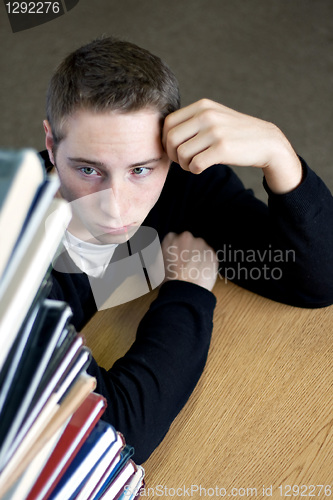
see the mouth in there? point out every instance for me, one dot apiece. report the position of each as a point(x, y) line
point(115, 230)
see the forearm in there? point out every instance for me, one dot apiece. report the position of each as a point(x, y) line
point(302, 220)
point(75, 290)
point(284, 252)
point(147, 388)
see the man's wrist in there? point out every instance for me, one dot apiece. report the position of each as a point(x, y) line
point(285, 172)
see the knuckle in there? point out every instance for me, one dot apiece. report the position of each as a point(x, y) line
point(171, 138)
point(186, 239)
point(206, 116)
point(187, 235)
point(204, 103)
point(197, 165)
point(181, 152)
point(168, 122)
point(215, 132)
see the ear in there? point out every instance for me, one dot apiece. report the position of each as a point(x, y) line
point(49, 142)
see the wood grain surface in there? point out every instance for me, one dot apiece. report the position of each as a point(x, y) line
point(260, 419)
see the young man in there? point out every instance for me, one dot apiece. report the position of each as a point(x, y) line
point(113, 128)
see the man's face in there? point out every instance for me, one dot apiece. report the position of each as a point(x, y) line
point(112, 167)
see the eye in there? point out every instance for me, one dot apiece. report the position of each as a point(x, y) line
point(89, 171)
point(141, 171)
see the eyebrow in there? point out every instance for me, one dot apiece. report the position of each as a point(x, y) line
point(103, 165)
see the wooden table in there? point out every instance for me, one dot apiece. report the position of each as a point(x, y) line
point(261, 416)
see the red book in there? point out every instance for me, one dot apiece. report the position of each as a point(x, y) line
point(77, 430)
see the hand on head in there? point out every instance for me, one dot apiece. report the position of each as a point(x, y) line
point(207, 133)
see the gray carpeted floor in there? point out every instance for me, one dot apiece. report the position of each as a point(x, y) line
point(269, 58)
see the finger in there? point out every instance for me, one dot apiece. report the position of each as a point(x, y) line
point(204, 159)
point(167, 239)
point(179, 116)
point(182, 115)
point(191, 149)
point(178, 135)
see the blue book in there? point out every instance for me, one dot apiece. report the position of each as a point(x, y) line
point(91, 452)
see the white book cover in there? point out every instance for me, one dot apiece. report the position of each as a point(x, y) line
point(30, 273)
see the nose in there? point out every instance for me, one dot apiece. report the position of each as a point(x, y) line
point(110, 203)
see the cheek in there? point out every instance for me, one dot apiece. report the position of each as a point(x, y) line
point(159, 184)
point(152, 194)
point(140, 201)
point(71, 188)
point(67, 193)
point(68, 189)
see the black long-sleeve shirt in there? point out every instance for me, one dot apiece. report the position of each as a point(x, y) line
point(283, 251)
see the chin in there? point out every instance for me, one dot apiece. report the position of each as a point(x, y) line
point(108, 239)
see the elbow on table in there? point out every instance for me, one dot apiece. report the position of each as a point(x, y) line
point(315, 298)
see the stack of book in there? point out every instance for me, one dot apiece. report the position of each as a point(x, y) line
point(53, 442)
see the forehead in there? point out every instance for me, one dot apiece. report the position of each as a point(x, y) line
point(113, 126)
point(113, 139)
